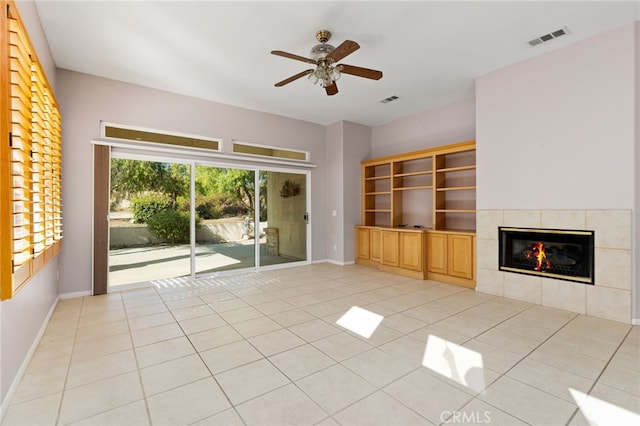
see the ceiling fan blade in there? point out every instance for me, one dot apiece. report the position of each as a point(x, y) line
point(293, 78)
point(292, 56)
point(332, 90)
point(345, 48)
point(360, 72)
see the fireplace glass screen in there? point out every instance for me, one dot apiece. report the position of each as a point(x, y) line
point(551, 253)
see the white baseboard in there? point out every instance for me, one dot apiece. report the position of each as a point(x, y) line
point(334, 262)
point(75, 294)
point(342, 263)
point(133, 286)
point(635, 321)
point(27, 359)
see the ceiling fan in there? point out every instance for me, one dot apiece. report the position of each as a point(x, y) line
point(324, 56)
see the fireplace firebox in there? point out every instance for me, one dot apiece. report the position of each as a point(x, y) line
point(550, 253)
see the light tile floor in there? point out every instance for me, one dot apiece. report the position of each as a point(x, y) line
point(264, 348)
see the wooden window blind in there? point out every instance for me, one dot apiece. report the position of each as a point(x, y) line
point(34, 149)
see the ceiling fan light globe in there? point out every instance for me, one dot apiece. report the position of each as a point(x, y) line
point(335, 74)
point(326, 82)
point(312, 78)
point(320, 51)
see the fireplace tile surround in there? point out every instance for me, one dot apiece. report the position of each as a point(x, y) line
point(610, 297)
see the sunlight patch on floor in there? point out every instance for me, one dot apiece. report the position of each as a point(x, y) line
point(599, 412)
point(360, 321)
point(454, 362)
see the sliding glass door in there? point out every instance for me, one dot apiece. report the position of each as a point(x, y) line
point(166, 223)
point(284, 217)
point(149, 221)
point(225, 208)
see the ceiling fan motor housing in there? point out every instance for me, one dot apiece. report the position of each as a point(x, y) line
point(323, 36)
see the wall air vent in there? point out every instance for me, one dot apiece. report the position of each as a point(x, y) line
point(550, 36)
point(389, 99)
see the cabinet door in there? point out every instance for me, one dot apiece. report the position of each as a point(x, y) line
point(390, 253)
point(411, 251)
point(362, 243)
point(460, 256)
point(375, 241)
point(437, 244)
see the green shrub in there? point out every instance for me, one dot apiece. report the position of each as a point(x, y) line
point(210, 206)
point(146, 206)
point(235, 210)
point(183, 203)
point(171, 225)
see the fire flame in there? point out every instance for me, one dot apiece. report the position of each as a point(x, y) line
point(540, 255)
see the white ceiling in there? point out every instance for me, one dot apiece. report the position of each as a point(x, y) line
point(430, 52)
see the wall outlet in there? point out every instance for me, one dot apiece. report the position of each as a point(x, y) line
point(334, 213)
point(335, 247)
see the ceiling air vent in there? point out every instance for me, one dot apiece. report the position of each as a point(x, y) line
point(389, 99)
point(550, 36)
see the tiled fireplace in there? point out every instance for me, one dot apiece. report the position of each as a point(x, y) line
point(562, 254)
point(608, 290)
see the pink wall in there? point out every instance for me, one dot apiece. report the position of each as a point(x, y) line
point(347, 145)
point(86, 100)
point(444, 125)
point(561, 131)
point(356, 147)
point(334, 145)
point(636, 222)
point(557, 131)
point(29, 15)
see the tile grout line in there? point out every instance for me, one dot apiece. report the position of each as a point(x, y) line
point(202, 360)
point(595, 382)
point(66, 377)
point(135, 356)
point(88, 359)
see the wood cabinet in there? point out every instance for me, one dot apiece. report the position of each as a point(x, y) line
point(437, 258)
point(392, 250)
point(460, 255)
point(375, 250)
point(368, 245)
point(412, 249)
point(390, 253)
point(363, 237)
point(451, 257)
point(417, 206)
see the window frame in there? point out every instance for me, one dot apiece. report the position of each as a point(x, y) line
point(105, 125)
point(236, 142)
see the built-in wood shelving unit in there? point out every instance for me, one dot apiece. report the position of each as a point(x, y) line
point(418, 214)
point(441, 182)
